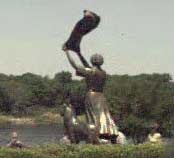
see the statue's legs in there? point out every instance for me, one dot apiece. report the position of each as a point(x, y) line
point(93, 136)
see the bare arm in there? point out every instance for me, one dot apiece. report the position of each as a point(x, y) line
point(73, 64)
point(83, 60)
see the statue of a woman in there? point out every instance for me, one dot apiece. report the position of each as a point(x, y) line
point(98, 117)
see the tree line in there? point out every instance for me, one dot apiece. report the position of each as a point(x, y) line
point(135, 102)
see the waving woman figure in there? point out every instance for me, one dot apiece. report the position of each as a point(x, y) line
point(98, 117)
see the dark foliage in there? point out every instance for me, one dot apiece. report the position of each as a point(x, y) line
point(135, 102)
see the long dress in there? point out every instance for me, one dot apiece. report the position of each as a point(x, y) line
point(96, 108)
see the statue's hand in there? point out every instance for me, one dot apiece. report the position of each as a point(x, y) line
point(64, 48)
point(88, 13)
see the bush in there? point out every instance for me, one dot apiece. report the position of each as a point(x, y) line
point(86, 151)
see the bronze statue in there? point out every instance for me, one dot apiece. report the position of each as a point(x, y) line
point(99, 121)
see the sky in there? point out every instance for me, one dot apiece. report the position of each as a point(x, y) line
point(134, 36)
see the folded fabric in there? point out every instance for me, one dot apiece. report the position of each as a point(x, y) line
point(89, 22)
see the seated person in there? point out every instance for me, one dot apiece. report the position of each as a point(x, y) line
point(14, 142)
point(154, 136)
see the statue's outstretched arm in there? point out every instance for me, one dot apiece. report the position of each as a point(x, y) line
point(83, 60)
point(73, 64)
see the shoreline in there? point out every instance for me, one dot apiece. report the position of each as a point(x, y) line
point(45, 118)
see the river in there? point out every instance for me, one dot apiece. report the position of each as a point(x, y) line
point(36, 134)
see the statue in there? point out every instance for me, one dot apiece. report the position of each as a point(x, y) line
point(100, 125)
point(99, 121)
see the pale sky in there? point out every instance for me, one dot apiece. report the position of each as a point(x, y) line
point(134, 36)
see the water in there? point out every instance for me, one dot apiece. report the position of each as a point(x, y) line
point(38, 134)
point(32, 134)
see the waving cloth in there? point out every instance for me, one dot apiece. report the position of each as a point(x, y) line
point(89, 22)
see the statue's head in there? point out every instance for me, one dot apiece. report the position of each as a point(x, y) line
point(97, 60)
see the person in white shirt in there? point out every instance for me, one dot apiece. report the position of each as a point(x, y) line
point(154, 136)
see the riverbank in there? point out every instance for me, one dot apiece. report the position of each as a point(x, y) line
point(45, 117)
point(85, 151)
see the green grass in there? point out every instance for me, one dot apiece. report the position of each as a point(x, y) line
point(85, 151)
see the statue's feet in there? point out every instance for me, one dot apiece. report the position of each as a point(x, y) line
point(104, 141)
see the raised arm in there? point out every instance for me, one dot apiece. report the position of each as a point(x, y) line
point(73, 64)
point(83, 60)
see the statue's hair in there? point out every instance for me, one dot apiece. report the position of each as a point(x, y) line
point(97, 59)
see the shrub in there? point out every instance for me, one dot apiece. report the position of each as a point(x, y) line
point(85, 151)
